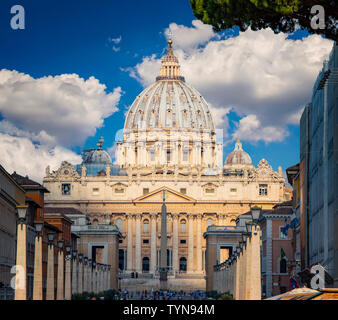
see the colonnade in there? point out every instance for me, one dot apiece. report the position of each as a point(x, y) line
point(240, 275)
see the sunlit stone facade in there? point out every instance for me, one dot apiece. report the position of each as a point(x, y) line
point(170, 143)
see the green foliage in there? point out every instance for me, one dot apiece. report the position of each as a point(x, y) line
point(279, 15)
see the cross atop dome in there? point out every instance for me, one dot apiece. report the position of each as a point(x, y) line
point(170, 67)
point(99, 144)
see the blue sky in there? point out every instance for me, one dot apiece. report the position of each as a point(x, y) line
point(72, 37)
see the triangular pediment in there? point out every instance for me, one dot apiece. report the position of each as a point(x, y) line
point(171, 196)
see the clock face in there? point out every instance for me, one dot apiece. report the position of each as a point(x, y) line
point(66, 172)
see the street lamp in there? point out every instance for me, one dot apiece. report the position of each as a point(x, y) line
point(80, 257)
point(255, 213)
point(50, 238)
point(74, 254)
point(22, 211)
point(68, 250)
point(38, 228)
point(94, 264)
point(85, 260)
point(60, 244)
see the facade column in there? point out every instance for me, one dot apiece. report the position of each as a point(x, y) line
point(90, 276)
point(190, 266)
point(130, 243)
point(199, 243)
point(37, 285)
point(60, 281)
point(74, 273)
point(153, 241)
point(138, 244)
point(80, 274)
point(94, 272)
point(108, 277)
point(175, 242)
point(248, 268)
point(21, 256)
point(50, 293)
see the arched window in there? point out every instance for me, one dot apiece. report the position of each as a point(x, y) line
point(119, 224)
point(95, 222)
point(146, 225)
point(145, 264)
point(183, 225)
point(210, 222)
point(183, 264)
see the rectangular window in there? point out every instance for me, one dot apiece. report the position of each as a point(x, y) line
point(185, 155)
point(183, 190)
point(96, 191)
point(281, 234)
point(183, 241)
point(66, 188)
point(152, 155)
point(209, 190)
point(145, 191)
point(263, 189)
point(168, 156)
point(233, 190)
point(145, 240)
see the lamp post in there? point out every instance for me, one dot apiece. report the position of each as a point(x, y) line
point(68, 281)
point(37, 280)
point(21, 255)
point(50, 293)
point(74, 273)
point(60, 295)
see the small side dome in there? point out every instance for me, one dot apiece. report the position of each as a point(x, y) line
point(238, 156)
point(96, 156)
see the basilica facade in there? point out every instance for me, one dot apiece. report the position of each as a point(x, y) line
point(169, 144)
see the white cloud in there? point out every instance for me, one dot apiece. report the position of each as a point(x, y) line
point(250, 129)
point(21, 155)
point(65, 108)
point(186, 38)
point(257, 73)
point(43, 117)
point(116, 40)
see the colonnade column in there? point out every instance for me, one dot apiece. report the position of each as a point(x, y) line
point(37, 285)
point(130, 243)
point(74, 273)
point(21, 256)
point(138, 243)
point(175, 242)
point(153, 241)
point(68, 275)
point(60, 294)
point(50, 268)
point(85, 274)
point(80, 274)
point(199, 243)
point(190, 266)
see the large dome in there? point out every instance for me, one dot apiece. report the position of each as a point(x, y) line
point(169, 102)
point(238, 155)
